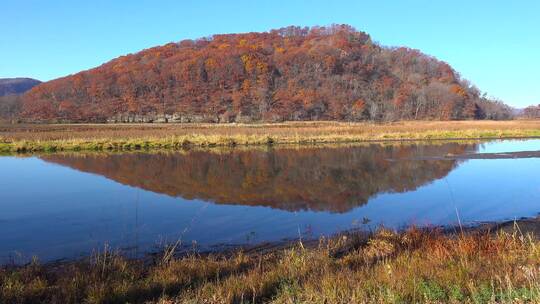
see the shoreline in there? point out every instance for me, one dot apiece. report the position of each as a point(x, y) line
point(525, 225)
point(143, 145)
point(356, 264)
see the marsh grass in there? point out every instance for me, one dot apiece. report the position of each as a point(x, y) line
point(415, 266)
point(94, 137)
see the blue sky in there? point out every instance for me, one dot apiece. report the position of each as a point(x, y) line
point(494, 44)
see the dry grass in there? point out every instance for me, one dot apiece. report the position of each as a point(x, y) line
point(416, 266)
point(23, 138)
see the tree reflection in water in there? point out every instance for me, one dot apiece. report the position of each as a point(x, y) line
point(335, 179)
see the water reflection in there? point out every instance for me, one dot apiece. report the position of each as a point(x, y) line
point(67, 205)
point(320, 179)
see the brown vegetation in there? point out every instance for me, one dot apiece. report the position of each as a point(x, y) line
point(9, 108)
point(28, 138)
point(300, 130)
point(416, 266)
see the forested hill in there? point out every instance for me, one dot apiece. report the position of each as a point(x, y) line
point(14, 86)
point(293, 73)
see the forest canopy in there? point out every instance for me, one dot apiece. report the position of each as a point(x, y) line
point(292, 73)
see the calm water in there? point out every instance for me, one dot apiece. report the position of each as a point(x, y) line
point(66, 205)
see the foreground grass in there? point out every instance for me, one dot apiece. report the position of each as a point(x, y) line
point(416, 266)
point(30, 138)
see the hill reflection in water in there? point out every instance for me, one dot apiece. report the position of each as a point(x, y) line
point(335, 179)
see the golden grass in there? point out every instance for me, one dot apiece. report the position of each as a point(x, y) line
point(25, 138)
point(415, 266)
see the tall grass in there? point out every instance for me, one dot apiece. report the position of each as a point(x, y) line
point(28, 138)
point(415, 266)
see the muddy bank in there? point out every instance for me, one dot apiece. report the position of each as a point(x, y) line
point(504, 155)
point(521, 226)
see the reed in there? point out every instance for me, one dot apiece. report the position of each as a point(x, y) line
point(414, 266)
point(93, 137)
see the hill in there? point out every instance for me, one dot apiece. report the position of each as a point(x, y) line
point(15, 86)
point(293, 73)
point(10, 89)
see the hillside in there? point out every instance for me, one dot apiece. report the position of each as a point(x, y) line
point(293, 73)
point(10, 90)
point(15, 86)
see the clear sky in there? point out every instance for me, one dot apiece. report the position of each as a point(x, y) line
point(495, 44)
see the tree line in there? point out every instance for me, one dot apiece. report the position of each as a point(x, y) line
point(531, 112)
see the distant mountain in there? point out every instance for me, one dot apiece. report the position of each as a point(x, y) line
point(293, 73)
point(15, 86)
point(518, 112)
point(10, 91)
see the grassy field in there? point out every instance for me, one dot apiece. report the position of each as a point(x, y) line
point(28, 138)
point(415, 266)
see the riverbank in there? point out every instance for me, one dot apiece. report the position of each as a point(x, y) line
point(493, 263)
point(120, 137)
